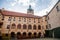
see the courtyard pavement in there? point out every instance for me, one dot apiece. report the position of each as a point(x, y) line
point(38, 39)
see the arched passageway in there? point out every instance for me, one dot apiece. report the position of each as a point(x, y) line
point(12, 35)
point(6, 35)
point(18, 35)
point(0, 35)
point(39, 34)
point(29, 34)
point(24, 34)
point(35, 34)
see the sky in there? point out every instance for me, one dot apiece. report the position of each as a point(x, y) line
point(41, 7)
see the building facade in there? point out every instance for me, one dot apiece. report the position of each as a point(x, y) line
point(53, 16)
point(53, 20)
point(22, 25)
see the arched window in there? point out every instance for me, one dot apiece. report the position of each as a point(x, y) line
point(24, 26)
point(19, 26)
point(34, 27)
point(8, 26)
point(29, 27)
point(13, 26)
point(39, 27)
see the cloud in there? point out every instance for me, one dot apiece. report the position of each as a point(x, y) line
point(13, 4)
point(45, 11)
point(33, 4)
point(42, 12)
point(26, 2)
point(23, 3)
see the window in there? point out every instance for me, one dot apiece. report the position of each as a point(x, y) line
point(29, 20)
point(45, 19)
point(2, 17)
point(24, 19)
point(14, 19)
point(57, 8)
point(13, 26)
point(9, 19)
point(19, 19)
point(39, 27)
point(19, 26)
point(46, 26)
point(24, 26)
point(29, 27)
point(8, 26)
point(49, 25)
point(34, 27)
point(0, 26)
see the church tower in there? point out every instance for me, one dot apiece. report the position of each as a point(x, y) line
point(30, 10)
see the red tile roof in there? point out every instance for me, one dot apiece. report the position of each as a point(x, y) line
point(11, 13)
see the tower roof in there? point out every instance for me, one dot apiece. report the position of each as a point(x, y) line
point(30, 8)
